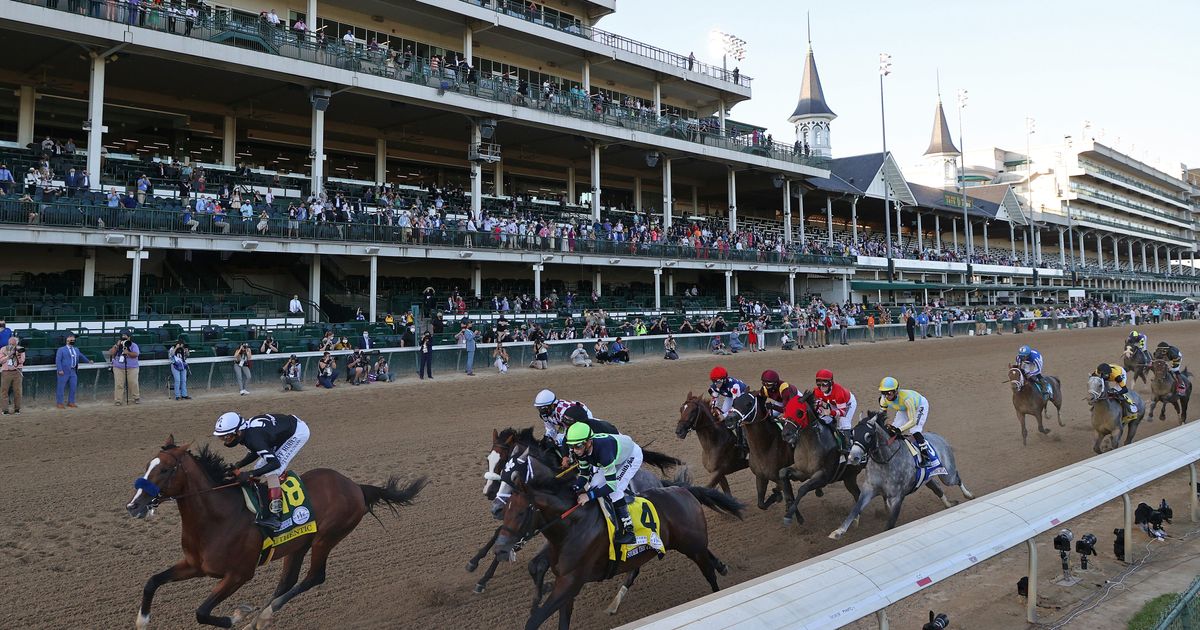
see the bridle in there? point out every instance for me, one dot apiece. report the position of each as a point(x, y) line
point(527, 517)
point(154, 491)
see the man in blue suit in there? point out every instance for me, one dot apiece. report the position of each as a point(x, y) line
point(66, 361)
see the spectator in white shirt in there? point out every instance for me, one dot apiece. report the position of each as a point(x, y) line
point(294, 307)
point(579, 357)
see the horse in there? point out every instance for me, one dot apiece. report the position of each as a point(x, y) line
point(579, 539)
point(1029, 401)
point(722, 456)
point(220, 538)
point(1162, 387)
point(891, 471)
point(1135, 360)
point(816, 460)
point(769, 454)
point(1108, 414)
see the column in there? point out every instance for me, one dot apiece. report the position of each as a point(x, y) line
point(953, 230)
point(1100, 250)
point(920, 234)
point(318, 151)
point(658, 288)
point(537, 282)
point(229, 142)
point(1082, 260)
point(380, 161)
point(469, 45)
point(1145, 267)
point(728, 290)
point(732, 194)
point(89, 273)
point(791, 288)
point(596, 286)
point(937, 227)
point(668, 195)
point(476, 172)
point(800, 207)
point(787, 211)
point(498, 179)
point(310, 20)
point(1037, 245)
point(571, 186)
point(373, 288)
point(829, 217)
point(1116, 254)
point(477, 281)
point(595, 181)
point(1025, 245)
point(854, 217)
point(1062, 250)
point(985, 238)
point(637, 193)
point(695, 199)
point(586, 78)
point(721, 115)
point(670, 282)
point(96, 118)
point(658, 98)
point(1192, 256)
point(1129, 254)
point(1012, 239)
point(737, 290)
point(135, 281)
point(27, 98)
point(314, 288)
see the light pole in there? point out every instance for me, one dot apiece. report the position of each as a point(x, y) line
point(962, 174)
point(885, 68)
point(730, 46)
point(1030, 128)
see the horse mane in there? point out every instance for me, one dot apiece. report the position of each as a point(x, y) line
point(557, 486)
point(525, 437)
point(212, 464)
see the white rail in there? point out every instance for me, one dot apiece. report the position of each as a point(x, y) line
point(841, 586)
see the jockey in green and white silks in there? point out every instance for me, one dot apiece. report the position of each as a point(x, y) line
point(607, 463)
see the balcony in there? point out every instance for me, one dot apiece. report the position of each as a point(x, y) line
point(1092, 168)
point(1125, 203)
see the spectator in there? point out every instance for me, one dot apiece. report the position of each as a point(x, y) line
point(326, 368)
point(716, 346)
point(269, 345)
point(871, 326)
point(381, 371)
point(357, 367)
point(425, 367)
point(365, 343)
point(342, 344)
point(5, 333)
point(241, 367)
point(579, 357)
point(669, 351)
point(66, 362)
point(7, 182)
point(178, 355)
point(327, 342)
point(294, 306)
point(290, 375)
point(466, 336)
point(910, 325)
point(786, 342)
point(12, 362)
point(618, 352)
point(735, 343)
point(124, 355)
point(500, 357)
point(541, 355)
point(601, 350)
point(980, 323)
point(844, 329)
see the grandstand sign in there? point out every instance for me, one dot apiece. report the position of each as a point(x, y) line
point(952, 199)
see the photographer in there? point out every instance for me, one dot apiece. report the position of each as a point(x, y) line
point(269, 346)
point(178, 355)
point(356, 368)
point(425, 366)
point(541, 355)
point(382, 372)
point(326, 368)
point(12, 362)
point(124, 356)
point(290, 374)
point(241, 367)
point(669, 349)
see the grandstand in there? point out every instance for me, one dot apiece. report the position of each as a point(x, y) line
point(479, 147)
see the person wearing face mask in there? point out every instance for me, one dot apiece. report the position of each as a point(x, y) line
point(66, 362)
point(124, 355)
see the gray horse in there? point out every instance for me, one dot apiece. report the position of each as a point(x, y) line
point(1163, 390)
point(891, 471)
point(1136, 361)
point(1108, 413)
point(1029, 401)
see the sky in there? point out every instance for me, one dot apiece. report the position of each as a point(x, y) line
point(1128, 68)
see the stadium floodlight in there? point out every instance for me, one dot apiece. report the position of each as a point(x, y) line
point(613, 261)
point(778, 180)
point(114, 239)
point(371, 251)
point(753, 267)
point(465, 254)
point(547, 257)
point(885, 64)
point(709, 265)
point(250, 245)
point(320, 98)
point(670, 263)
point(652, 158)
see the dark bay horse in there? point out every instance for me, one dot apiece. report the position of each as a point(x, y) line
point(1029, 401)
point(769, 453)
point(221, 541)
point(579, 539)
point(1136, 361)
point(722, 457)
point(1163, 390)
point(816, 460)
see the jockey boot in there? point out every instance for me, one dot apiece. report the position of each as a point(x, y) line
point(924, 448)
point(624, 524)
point(273, 516)
point(1180, 384)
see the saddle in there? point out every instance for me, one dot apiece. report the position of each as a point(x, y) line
point(298, 516)
point(646, 529)
point(930, 470)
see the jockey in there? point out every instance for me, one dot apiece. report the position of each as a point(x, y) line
point(1114, 381)
point(724, 389)
point(273, 440)
point(607, 463)
point(776, 393)
point(912, 410)
point(1029, 361)
point(551, 410)
point(1136, 340)
point(1174, 357)
point(835, 402)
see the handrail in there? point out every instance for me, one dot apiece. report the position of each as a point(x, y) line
point(841, 586)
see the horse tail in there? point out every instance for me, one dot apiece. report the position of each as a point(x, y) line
point(391, 494)
point(683, 478)
point(718, 501)
point(661, 461)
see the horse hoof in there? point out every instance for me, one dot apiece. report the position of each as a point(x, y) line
point(819, 492)
point(479, 588)
point(1044, 431)
point(787, 521)
point(471, 566)
point(242, 612)
point(836, 534)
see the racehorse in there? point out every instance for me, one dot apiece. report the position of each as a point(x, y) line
point(1162, 387)
point(769, 454)
point(817, 459)
point(891, 471)
point(1108, 414)
point(1028, 400)
point(1136, 361)
point(221, 540)
point(579, 539)
point(722, 456)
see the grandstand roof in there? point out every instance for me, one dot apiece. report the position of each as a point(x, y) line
point(812, 97)
point(941, 143)
point(951, 201)
point(1009, 204)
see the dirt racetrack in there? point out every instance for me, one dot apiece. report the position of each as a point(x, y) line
point(72, 558)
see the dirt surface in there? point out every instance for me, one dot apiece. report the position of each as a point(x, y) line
point(73, 558)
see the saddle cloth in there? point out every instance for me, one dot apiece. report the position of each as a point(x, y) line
point(925, 473)
point(646, 530)
point(298, 516)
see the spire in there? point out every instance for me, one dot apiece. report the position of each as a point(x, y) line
point(812, 97)
point(941, 143)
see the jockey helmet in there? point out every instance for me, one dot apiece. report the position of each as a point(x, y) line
point(1163, 344)
point(544, 398)
point(578, 433)
point(771, 378)
point(575, 413)
point(718, 373)
point(889, 384)
point(1135, 334)
point(824, 375)
point(1104, 370)
point(1025, 351)
point(228, 423)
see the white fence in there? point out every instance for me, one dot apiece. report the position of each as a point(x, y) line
point(839, 587)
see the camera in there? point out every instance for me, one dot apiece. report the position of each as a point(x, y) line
point(1085, 546)
point(1062, 542)
point(939, 621)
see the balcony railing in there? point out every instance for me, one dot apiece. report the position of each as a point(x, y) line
point(1092, 167)
point(1088, 191)
point(224, 28)
point(570, 24)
